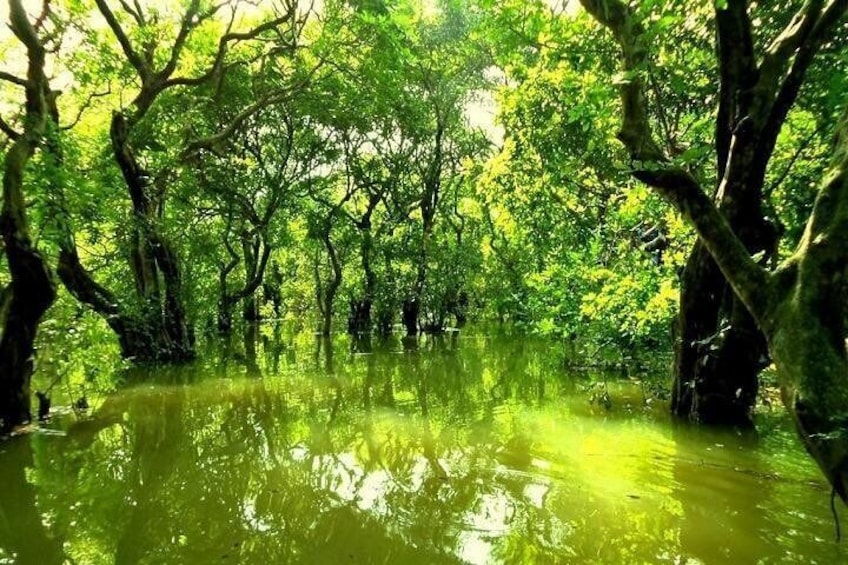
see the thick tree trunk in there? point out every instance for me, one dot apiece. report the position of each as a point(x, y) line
point(32, 288)
point(359, 320)
point(798, 306)
point(153, 262)
point(251, 310)
point(24, 302)
point(812, 369)
point(409, 315)
point(719, 351)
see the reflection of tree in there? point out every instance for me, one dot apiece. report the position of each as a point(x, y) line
point(324, 344)
point(716, 504)
point(251, 362)
point(23, 535)
point(420, 455)
point(156, 445)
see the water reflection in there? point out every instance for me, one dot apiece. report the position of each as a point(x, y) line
point(285, 448)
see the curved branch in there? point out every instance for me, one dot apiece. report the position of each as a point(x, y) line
point(212, 143)
point(132, 55)
point(10, 132)
point(811, 41)
point(676, 185)
point(190, 21)
point(9, 77)
point(220, 55)
point(85, 106)
point(737, 72)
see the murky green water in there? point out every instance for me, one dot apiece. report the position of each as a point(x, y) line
point(464, 449)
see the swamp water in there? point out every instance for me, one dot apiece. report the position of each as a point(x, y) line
point(465, 448)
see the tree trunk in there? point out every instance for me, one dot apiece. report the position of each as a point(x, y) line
point(225, 315)
point(153, 262)
point(271, 290)
point(458, 306)
point(359, 321)
point(24, 301)
point(328, 297)
point(719, 351)
point(798, 306)
point(250, 309)
point(251, 336)
point(409, 315)
point(32, 288)
point(412, 304)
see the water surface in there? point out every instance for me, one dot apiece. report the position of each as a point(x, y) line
point(461, 449)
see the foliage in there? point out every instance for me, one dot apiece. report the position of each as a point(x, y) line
point(461, 153)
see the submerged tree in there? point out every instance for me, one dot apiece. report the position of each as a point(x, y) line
point(798, 305)
point(155, 326)
point(32, 288)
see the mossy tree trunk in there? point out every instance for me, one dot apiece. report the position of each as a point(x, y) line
point(154, 263)
point(798, 306)
point(719, 350)
point(32, 288)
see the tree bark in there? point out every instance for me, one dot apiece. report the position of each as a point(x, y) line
point(719, 349)
point(329, 294)
point(153, 261)
point(359, 321)
point(799, 306)
point(32, 289)
point(250, 309)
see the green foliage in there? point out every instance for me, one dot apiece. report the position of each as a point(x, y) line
point(364, 121)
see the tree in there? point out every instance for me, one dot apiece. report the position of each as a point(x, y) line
point(430, 110)
point(799, 304)
point(32, 288)
point(155, 326)
point(326, 215)
point(258, 181)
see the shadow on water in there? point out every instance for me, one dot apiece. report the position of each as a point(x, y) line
point(459, 448)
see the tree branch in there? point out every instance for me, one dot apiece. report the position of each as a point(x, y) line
point(220, 55)
point(135, 60)
point(676, 185)
point(10, 132)
point(635, 130)
point(136, 13)
point(802, 147)
point(813, 34)
point(737, 72)
point(85, 106)
point(9, 77)
point(190, 20)
point(212, 143)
